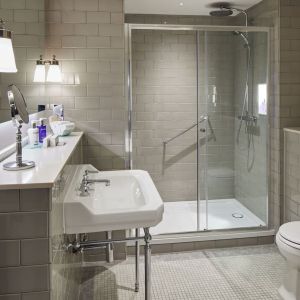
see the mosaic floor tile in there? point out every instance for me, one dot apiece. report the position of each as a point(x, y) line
point(229, 274)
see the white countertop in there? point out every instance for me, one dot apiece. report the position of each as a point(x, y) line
point(49, 163)
point(292, 129)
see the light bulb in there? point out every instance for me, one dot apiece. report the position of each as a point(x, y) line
point(39, 73)
point(54, 74)
point(7, 57)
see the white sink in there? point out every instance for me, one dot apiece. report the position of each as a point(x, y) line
point(130, 201)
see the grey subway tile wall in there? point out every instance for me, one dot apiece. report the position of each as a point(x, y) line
point(266, 13)
point(251, 147)
point(289, 82)
point(164, 104)
point(291, 176)
point(87, 39)
point(24, 256)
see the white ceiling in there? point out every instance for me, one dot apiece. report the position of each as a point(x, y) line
point(173, 7)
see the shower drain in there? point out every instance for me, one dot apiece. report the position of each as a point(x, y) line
point(238, 215)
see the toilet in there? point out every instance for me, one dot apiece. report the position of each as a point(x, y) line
point(288, 242)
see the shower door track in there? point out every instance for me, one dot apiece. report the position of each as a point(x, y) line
point(130, 26)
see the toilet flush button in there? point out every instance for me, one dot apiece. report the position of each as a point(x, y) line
point(291, 231)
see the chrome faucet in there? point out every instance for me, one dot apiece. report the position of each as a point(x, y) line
point(84, 186)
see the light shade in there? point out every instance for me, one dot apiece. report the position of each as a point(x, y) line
point(39, 73)
point(7, 57)
point(54, 73)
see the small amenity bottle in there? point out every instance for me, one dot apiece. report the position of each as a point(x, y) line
point(33, 134)
point(42, 129)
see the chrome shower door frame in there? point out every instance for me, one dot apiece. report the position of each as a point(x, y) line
point(128, 92)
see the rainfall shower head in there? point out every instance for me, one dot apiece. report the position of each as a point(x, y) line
point(226, 9)
point(221, 13)
point(223, 9)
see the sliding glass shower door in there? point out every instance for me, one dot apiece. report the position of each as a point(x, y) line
point(232, 83)
point(199, 121)
point(164, 120)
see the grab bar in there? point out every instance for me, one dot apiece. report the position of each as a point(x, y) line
point(202, 119)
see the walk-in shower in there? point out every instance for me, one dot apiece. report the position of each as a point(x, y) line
point(198, 123)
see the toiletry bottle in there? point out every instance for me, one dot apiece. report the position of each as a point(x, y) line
point(42, 129)
point(33, 134)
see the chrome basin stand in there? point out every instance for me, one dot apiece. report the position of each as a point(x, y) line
point(79, 246)
point(147, 248)
point(137, 261)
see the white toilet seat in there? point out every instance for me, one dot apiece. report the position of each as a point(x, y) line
point(289, 243)
point(290, 234)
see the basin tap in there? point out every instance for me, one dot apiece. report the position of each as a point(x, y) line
point(106, 181)
point(84, 186)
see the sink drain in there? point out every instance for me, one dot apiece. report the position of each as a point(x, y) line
point(238, 215)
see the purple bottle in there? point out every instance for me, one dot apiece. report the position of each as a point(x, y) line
point(42, 130)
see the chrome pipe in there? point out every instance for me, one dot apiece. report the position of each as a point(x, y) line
point(109, 248)
point(147, 249)
point(90, 244)
point(137, 261)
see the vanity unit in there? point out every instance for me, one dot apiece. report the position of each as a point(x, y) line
point(33, 261)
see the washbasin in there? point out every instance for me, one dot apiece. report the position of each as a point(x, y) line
point(131, 200)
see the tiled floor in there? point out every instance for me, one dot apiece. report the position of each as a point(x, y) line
point(232, 274)
point(181, 216)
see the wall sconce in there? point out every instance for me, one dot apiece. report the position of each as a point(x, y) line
point(7, 57)
point(53, 74)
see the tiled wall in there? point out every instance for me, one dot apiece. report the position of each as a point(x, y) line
point(289, 75)
point(24, 240)
point(33, 261)
point(251, 143)
point(283, 17)
point(291, 175)
point(65, 267)
point(216, 99)
point(266, 13)
point(26, 19)
point(87, 38)
point(165, 104)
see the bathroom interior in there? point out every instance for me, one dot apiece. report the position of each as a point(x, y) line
point(149, 149)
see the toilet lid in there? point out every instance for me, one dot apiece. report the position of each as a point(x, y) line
point(291, 232)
